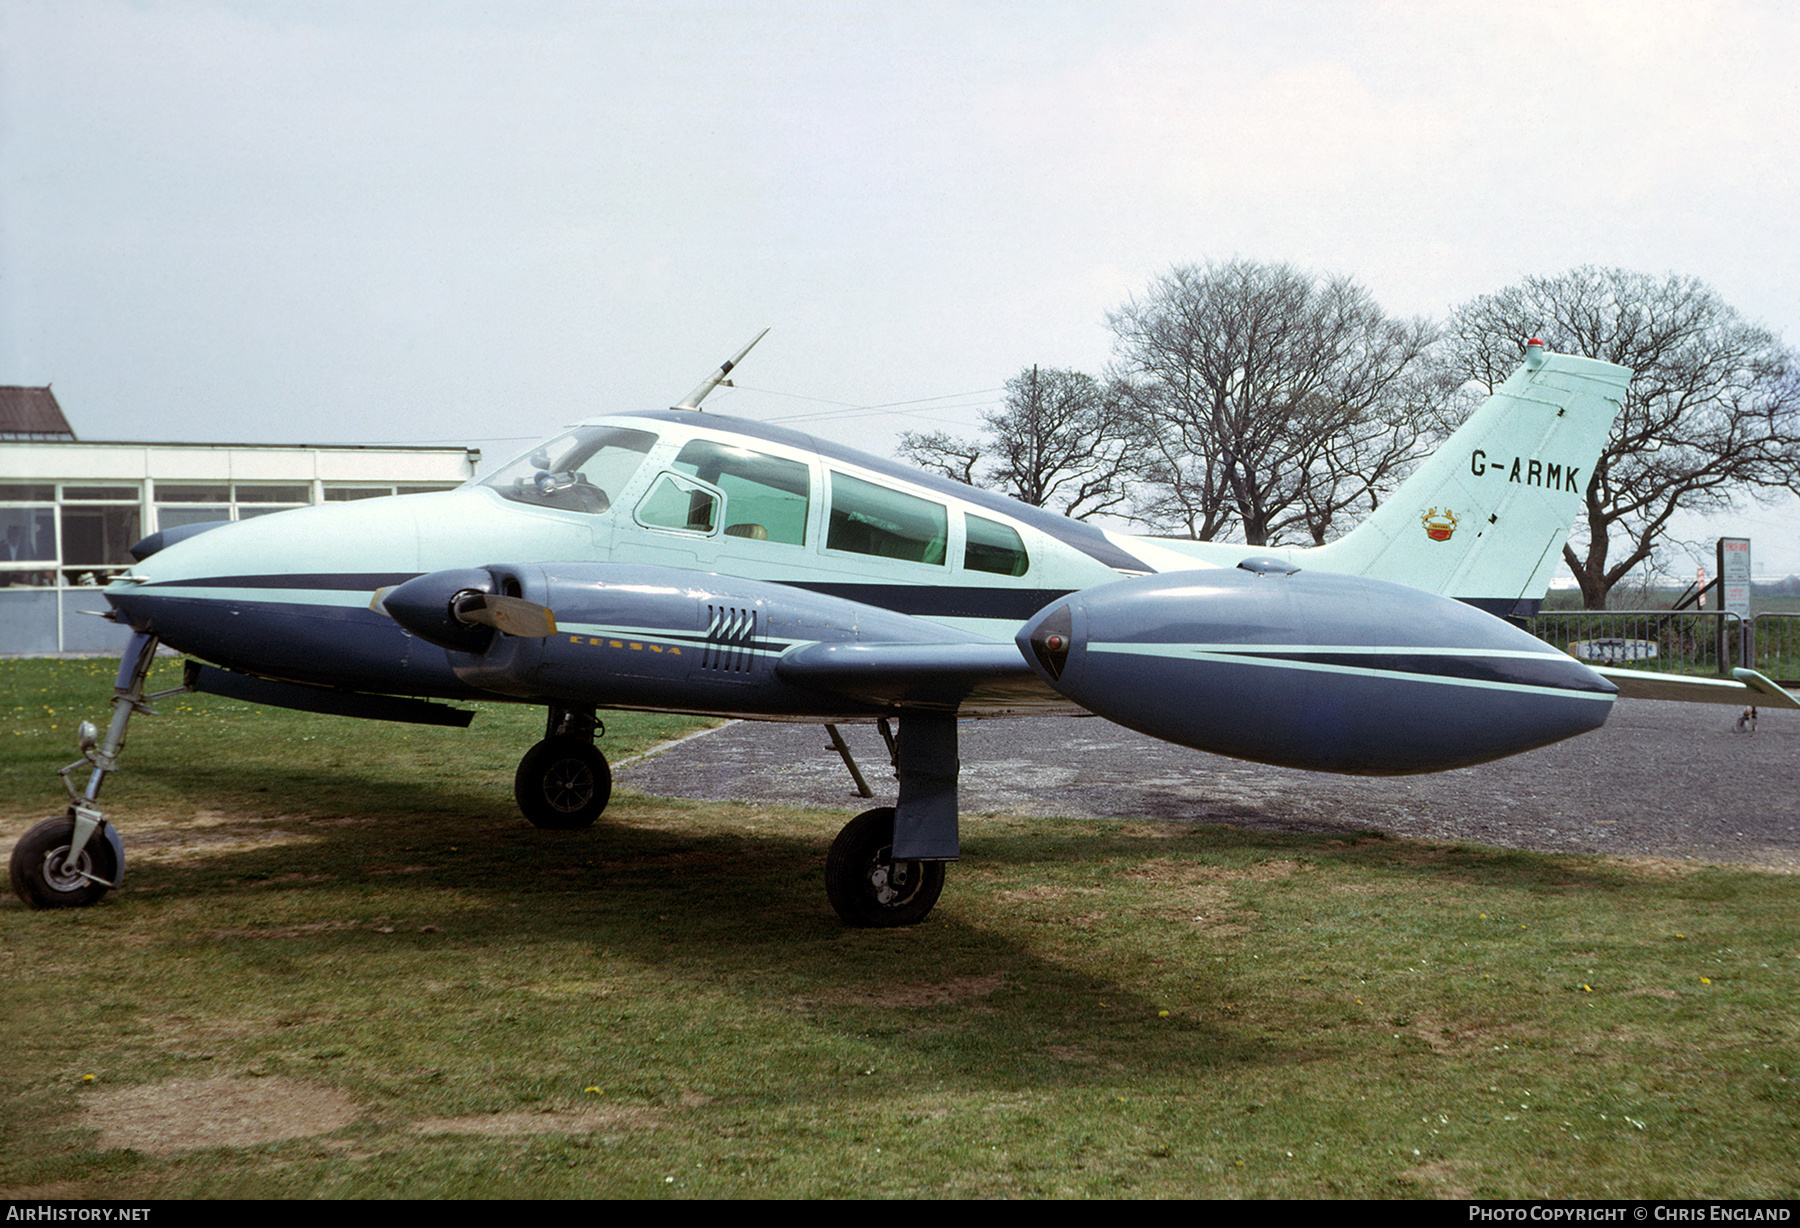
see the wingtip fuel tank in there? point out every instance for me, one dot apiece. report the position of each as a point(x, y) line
point(1311, 670)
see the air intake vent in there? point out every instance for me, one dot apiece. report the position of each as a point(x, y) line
point(730, 636)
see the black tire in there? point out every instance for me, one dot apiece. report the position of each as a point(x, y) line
point(563, 783)
point(39, 876)
point(867, 887)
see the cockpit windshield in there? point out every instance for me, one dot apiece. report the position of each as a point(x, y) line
point(582, 471)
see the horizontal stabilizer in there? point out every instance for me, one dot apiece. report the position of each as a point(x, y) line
point(1745, 688)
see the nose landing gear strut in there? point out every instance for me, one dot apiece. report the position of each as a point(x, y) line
point(73, 860)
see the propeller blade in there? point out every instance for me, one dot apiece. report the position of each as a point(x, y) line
point(507, 615)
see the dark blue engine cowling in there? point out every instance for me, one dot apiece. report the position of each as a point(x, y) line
point(1312, 670)
point(650, 638)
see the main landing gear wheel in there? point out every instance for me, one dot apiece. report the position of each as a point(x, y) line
point(867, 887)
point(563, 783)
point(43, 877)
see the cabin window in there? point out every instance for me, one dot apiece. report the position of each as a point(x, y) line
point(680, 503)
point(582, 471)
point(871, 519)
point(994, 547)
point(766, 497)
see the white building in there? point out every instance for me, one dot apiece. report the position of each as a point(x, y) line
point(70, 510)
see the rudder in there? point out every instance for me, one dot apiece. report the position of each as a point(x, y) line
point(1484, 518)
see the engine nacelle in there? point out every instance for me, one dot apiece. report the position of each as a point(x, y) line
point(1311, 670)
point(643, 637)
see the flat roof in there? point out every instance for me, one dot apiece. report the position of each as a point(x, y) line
point(289, 447)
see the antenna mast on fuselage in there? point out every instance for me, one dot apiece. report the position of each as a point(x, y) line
point(692, 400)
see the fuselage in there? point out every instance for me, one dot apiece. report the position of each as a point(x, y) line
point(288, 595)
point(694, 563)
point(703, 564)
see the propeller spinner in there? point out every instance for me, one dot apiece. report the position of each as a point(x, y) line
point(458, 610)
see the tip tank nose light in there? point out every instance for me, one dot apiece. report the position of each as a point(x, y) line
point(1050, 642)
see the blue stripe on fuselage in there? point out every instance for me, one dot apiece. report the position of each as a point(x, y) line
point(366, 582)
point(920, 600)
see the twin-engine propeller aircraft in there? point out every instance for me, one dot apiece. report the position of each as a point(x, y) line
point(680, 562)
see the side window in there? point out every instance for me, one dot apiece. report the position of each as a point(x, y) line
point(680, 503)
point(994, 547)
point(767, 496)
point(871, 519)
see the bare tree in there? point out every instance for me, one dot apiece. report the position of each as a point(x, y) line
point(1712, 413)
point(1059, 441)
point(1181, 487)
point(941, 452)
point(1274, 398)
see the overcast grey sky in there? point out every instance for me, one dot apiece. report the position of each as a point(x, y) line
point(471, 223)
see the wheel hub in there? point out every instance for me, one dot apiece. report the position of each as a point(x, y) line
point(61, 876)
point(890, 878)
point(867, 886)
point(569, 786)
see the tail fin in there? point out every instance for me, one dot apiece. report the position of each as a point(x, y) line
point(1485, 517)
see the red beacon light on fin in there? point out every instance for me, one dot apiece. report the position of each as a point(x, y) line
point(1534, 354)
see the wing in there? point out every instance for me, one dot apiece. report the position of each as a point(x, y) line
point(667, 639)
point(975, 679)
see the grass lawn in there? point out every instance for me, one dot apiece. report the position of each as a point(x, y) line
point(342, 967)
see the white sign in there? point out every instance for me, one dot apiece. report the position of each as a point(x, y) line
point(1613, 652)
point(1734, 575)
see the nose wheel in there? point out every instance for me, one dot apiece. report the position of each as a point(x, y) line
point(867, 887)
point(75, 859)
point(563, 783)
point(45, 876)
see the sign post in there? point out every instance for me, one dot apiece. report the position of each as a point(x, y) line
point(1734, 597)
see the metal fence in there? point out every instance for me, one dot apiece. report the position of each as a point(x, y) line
point(1775, 647)
point(1662, 641)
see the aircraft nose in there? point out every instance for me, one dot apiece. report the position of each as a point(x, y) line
point(156, 542)
point(366, 536)
point(324, 558)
